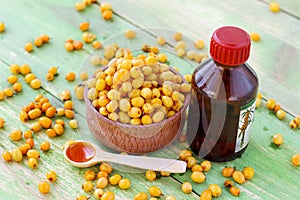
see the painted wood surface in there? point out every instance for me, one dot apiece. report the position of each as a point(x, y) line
point(275, 177)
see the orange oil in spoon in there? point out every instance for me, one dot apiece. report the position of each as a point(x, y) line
point(80, 152)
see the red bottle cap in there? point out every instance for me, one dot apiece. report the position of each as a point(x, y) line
point(230, 46)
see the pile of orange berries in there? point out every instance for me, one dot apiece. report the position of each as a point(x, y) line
point(97, 182)
point(34, 110)
point(38, 42)
point(71, 45)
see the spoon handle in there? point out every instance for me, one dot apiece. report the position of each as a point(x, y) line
point(148, 163)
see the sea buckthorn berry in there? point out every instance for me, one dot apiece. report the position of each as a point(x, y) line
point(28, 47)
point(35, 113)
point(97, 45)
point(27, 134)
point(134, 112)
point(32, 163)
point(80, 6)
point(81, 197)
point(281, 114)
point(77, 44)
point(73, 123)
point(215, 189)
point(16, 135)
point(135, 121)
point(24, 148)
point(199, 44)
point(198, 177)
point(89, 175)
point(186, 187)
point(296, 160)
point(130, 34)
point(38, 42)
point(206, 165)
point(17, 155)
point(69, 113)
point(191, 161)
point(248, 173)
point(271, 103)
point(98, 193)
point(165, 174)
point(12, 79)
point(170, 197)
point(14, 68)
point(228, 183)
point(190, 54)
point(6, 156)
point(184, 154)
point(197, 168)
point(51, 176)
point(84, 26)
point(177, 36)
point(51, 133)
point(29, 78)
point(45, 146)
point(124, 183)
point(60, 121)
point(255, 36)
point(150, 175)
point(297, 120)
point(277, 139)
point(32, 153)
point(23, 116)
point(108, 196)
point(146, 119)
point(115, 179)
point(141, 196)
point(30, 141)
point(274, 7)
point(257, 102)
point(65, 95)
point(238, 177)
point(293, 124)
point(87, 186)
point(102, 174)
point(277, 108)
point(235, 191)
point(228, 171)
point(105, 6)
point(2, 95)
point(44, 187)
point(45, 122)
point(45, 38)
point(59, 129)
point(69, 46)
point(25, 69)
point(106, 167)
point(35, 127)
point(49, 77)
point(206, 195)
point(154, 191)
point(35, 84)
point(160, 40)
point(71, 76)
point(2, 122)
point(17, 87)
point(2, 27)
point(8, 92)
point(102, 182)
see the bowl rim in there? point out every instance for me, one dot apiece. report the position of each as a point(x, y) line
point(184, 107)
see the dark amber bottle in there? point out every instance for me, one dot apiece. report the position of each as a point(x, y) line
point(224, 90)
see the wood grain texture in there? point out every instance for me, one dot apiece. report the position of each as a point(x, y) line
point(275, 58)
point(275, 177)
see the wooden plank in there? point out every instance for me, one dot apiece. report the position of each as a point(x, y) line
point(275, 58)
point(290, 7)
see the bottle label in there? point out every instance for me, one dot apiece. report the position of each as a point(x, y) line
point(245, 125)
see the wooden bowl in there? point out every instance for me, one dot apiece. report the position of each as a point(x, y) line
point(135, 139)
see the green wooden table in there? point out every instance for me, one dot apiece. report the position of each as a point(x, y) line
point(275, 58)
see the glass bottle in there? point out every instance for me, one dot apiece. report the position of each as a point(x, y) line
point(224, 90)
